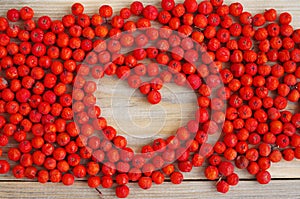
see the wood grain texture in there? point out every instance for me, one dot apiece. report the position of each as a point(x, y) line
point(166, 118)
point(186, 190)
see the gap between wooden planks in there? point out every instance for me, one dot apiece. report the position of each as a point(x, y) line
point(193, 189)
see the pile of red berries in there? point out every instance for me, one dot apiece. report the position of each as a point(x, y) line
point(243, 69)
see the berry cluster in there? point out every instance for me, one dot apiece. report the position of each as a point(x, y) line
point(243, 69)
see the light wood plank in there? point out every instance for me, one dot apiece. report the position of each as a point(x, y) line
point(186, 190)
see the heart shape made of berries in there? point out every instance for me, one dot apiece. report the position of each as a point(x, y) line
point(229, 57)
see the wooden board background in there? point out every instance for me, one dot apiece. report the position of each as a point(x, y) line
point(286, 175)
